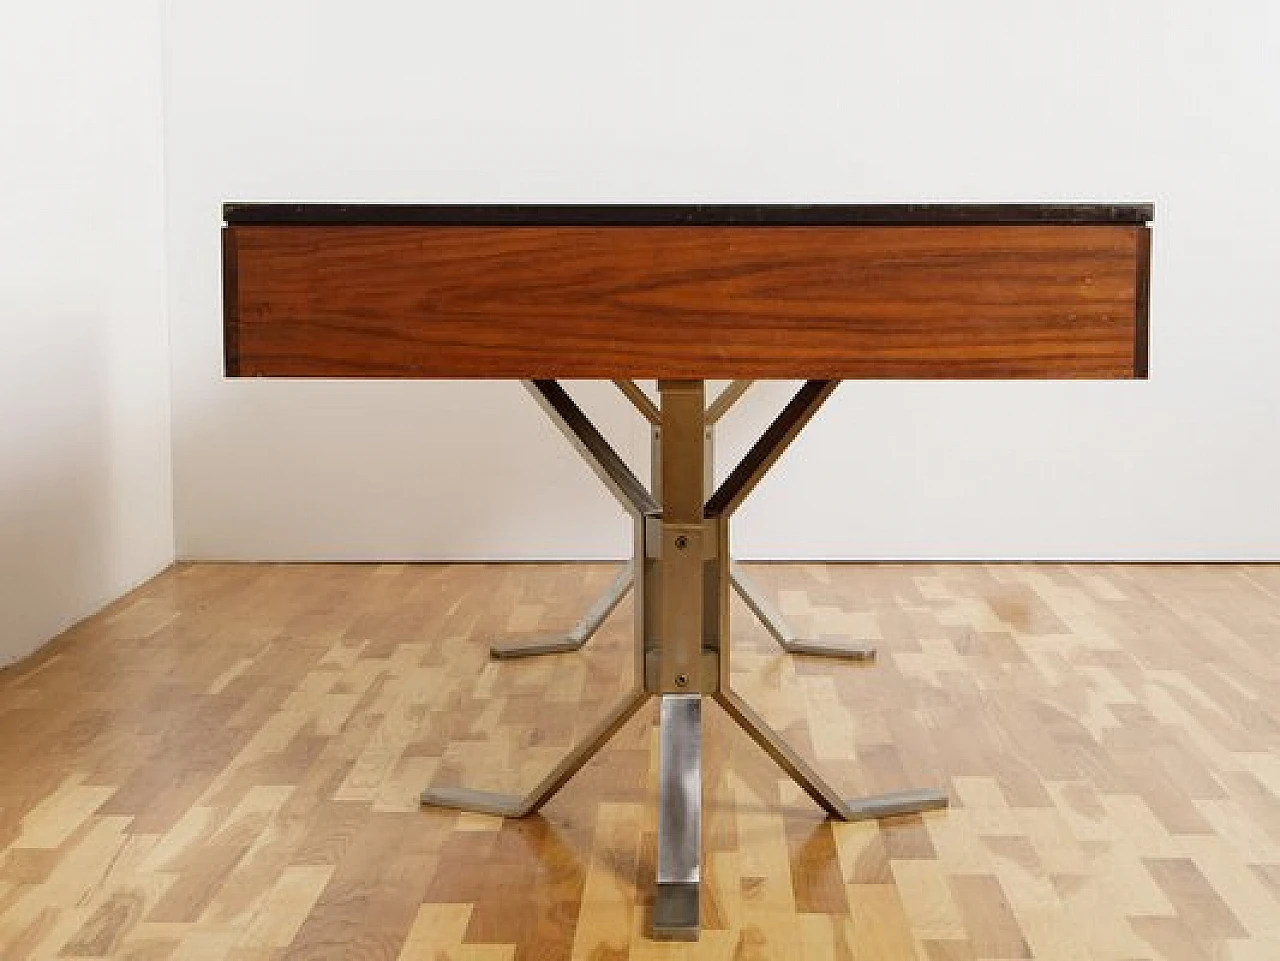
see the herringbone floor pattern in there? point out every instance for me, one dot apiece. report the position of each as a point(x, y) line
point(226, 765)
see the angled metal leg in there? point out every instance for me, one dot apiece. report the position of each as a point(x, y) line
point(592, 446)
point(776, 624)
point(675, 903)
point(579, 634)
point(682, 576)
point(514, 806)
point(727, 398)
point(620, 481)
point(634, 393)
point(846, 809)
point(595, 450)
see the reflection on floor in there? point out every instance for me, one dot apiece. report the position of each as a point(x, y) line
point(226, 765)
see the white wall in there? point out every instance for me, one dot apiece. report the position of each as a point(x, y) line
point(85, 489)
point(744, 100)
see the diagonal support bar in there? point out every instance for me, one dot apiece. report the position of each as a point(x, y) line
point(639, 399)
point(765, 452)
point(823, 794)
point(593, 447)
point(580, 633)
point(726, 399)
point(514, 806)
point(781, 631)
point(682, 575)
point(766, 613)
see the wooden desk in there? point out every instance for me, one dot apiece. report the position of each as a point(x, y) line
point(683, 294)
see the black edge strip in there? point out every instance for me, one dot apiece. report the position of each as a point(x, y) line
point(1142, 319)
point(769, 447)
point(230, 305)
point(675, 215)
point(578, 422)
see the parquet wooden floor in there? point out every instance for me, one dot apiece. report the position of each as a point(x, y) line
point(226, 764)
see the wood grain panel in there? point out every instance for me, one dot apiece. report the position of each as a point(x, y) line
point(1061, 301)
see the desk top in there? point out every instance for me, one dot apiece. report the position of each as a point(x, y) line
point(687, 291)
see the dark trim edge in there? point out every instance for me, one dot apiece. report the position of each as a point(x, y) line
point(230, 305)
point(676, 215)
point(1142, 320)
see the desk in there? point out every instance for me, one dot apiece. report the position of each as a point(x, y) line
point(682, 295)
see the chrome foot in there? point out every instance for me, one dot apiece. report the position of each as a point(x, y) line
point(511, 806)
point(823, 646)
point(675, 912)
point(537, 644)
point(895, 803)
point(859, 809)
point(481, 802)
point(781, 631)
point(574, 639)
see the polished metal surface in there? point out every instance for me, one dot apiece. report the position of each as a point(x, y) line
point(894, 803)
point(717, 592)
point(592, 446)
point(580, 633)
point(682, 552)
point(683, 428)
point(482, 802)
point(682, 577)
point(831, 646)
point(675, 912)
point(710, 671)
point(635, 393)
point(773, 620)
point(726, 399)
point(505, 805)
point(526, 645)
point(680, 787)
point(532, 645)
point(823, 794)
point(679, 816)
point(776, 438)
point(782, 753)
point(781, 631)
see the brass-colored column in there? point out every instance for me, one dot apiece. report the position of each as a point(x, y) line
point(682, 474)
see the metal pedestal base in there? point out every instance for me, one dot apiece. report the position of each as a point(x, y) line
point(768, 615)
point(682, 575)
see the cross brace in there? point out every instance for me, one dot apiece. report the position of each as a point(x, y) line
point(682, 575)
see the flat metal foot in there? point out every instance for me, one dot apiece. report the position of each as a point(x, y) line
point(512, 806)
point(827, 646)
point(675, 905)
point(897, 802)
point(531, 646)
point(675, 912)
point(577, 637)
point(858, 809)
point(780, 630)
point(481, 802)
